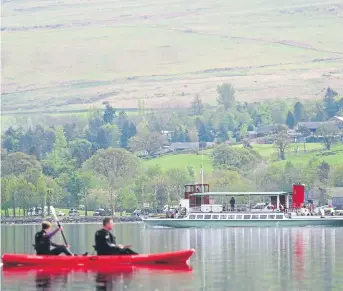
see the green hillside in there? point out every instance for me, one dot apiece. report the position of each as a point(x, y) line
point(76, 54)
point(268, 152)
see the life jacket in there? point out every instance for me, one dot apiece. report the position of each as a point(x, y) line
point(42, 243)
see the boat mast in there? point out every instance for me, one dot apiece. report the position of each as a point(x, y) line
point(202, 169)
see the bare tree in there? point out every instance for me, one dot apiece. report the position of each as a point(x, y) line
point(305, 132)
point(281, 142)
point(330, 133)
point(197, 106)
point(147, 141)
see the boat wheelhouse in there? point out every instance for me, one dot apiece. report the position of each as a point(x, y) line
point(201, 208)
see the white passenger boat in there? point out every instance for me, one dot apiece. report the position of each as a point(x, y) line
point(200, 208)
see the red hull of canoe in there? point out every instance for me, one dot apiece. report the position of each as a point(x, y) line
point(66, 261)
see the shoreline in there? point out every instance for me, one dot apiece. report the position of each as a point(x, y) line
point(64, 220)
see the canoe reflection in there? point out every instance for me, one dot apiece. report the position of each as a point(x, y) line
point(106, 278)
point(109, 281)
point(46, 282)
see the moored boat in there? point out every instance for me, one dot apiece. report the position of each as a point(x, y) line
point(198, 209)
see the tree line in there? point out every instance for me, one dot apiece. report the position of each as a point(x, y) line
point(96, 164)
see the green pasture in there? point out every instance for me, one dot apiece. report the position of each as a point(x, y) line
point(267, 151)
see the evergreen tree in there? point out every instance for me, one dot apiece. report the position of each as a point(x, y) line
point(94, 127)
point(204, 134)
point(223, 133)
point(299, 112)
point(320, 113)
point(109, 114)
point(58, 161)
point(330, 105)
point(250, 127)
point(290, 121)
point(127, 131)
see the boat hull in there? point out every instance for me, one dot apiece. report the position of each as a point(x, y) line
point(292, 222)
point(90, 261)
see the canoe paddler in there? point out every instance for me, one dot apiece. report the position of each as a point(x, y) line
point(43, 242)
point(105, 241)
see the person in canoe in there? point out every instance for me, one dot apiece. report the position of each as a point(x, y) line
point(43, 242)
point(105, 241)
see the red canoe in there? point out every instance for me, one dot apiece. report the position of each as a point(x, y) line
point(67, 261)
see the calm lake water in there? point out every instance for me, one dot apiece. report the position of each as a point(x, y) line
point(225, 259)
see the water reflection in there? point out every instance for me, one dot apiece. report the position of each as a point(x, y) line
point(46, 282)
point(280, 258)
point(225, 259)
point(113, 281)
point(106, 278)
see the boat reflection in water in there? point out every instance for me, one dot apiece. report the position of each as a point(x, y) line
point(106, 277)
point(286, 258)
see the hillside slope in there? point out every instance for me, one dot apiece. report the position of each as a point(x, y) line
point(76, 54)
point(268, 152)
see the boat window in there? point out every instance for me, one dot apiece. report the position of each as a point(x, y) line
point(271, 216)
point(223, 217)
point(263, 216)
point(200, 216)
point(279, 216)
point(238, 216)
point(247, 216)
point(208, 216)
point(215, 216)
point(192, 216)
point(230, 217)
point(254, 216)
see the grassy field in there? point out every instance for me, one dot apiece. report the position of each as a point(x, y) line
point(76, 54)
point(182, 161)
point(333, 157)
point(268, 152)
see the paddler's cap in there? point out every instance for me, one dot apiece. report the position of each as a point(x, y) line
point(46, 224)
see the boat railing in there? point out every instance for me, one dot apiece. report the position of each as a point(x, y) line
point(218, 208)
point(238, 216)
point(195, 209)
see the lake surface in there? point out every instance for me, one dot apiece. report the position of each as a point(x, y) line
point(225, 259)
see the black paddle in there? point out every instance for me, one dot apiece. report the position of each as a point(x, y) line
point(59, 225)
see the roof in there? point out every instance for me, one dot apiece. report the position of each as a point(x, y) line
point(313, 124)
point(267, 129)
point(240, 194)
point(339, 118)
point(184, 145)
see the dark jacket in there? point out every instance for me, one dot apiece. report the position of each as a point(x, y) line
point(105, 243)
point(43, 242)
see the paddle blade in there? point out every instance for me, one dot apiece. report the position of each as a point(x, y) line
point(54, 213)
